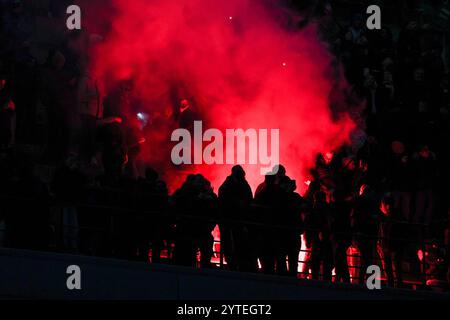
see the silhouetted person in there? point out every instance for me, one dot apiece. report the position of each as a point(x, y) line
point(341, 237)
point(59, 97)
point(126, 226)
point(235, 197)
point(89, 108)
point(364, 218)
point(69, 187)
point(108, 235)
point(392, 234)
point(154, 227)
point(290, 220)
point(305, 216)
point(185, 115)
point(7, 115)
point(113, 149)
point(399, 174)
point(268, 204)
point(27, 212)
point(196, 202)
point(280, 173)
point(133, 142)
point(318, 237)
point(425, 174)
point(343, 197)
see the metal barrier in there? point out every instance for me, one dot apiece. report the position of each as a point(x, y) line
point(61, 231)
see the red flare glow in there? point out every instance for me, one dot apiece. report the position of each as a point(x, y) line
point(230, 72)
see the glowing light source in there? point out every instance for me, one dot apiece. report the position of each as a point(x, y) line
point(143, 119)
point(420, 255)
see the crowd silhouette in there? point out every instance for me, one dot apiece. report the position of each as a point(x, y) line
point(72, 186)
point(137, 220)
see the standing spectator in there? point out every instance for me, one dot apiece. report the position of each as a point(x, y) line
point(58, 95)
point(288, 237)
point(196, 203)
point(235, 196)
point(112, 144)
point(27, 221)
point(318, 237)
point(342, 203)
point(7, 115)
point(400, 178)
point(18, 28)
point(425, 171)
point(68, 186)
point(89, 110)
point(268, 202)
point(153, 229)
point(365, 226)
point(392, 234)
point(280, 173)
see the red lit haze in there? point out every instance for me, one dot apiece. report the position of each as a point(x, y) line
point(238, 65)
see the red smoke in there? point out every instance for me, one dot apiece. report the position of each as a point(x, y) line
point(239, 62)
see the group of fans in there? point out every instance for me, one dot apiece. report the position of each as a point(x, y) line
point(386, 194)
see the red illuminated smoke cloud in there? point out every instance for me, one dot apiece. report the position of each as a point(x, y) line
point(240, 66)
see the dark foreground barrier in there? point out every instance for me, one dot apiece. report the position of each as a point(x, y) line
point(38, 275)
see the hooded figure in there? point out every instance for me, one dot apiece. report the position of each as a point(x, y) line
point(291, 227)
point(195, 205)
point(235, 197)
